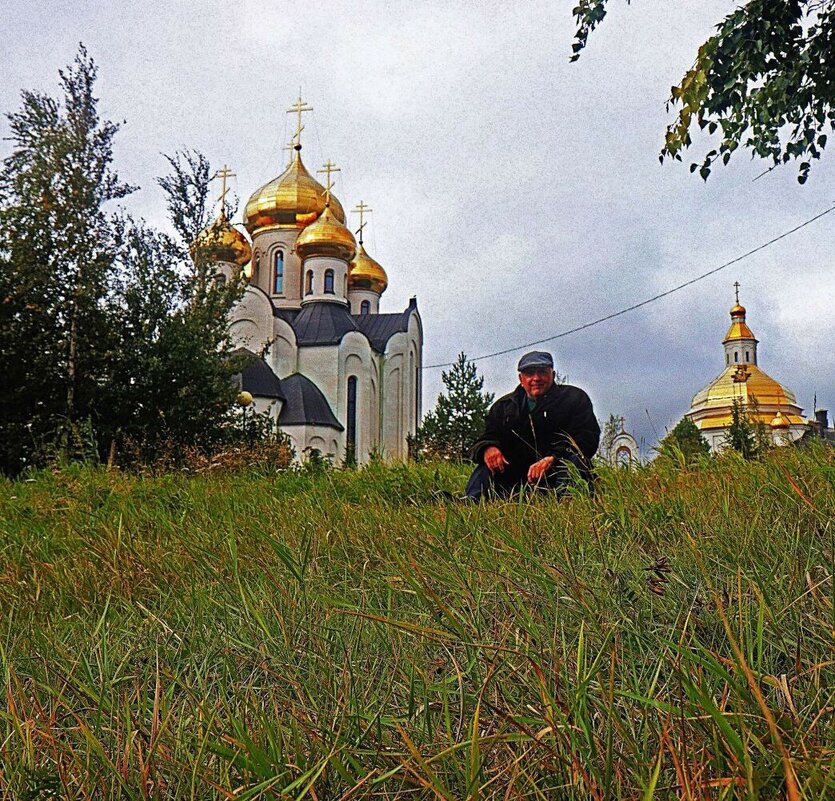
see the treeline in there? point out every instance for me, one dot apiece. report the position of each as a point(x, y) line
point(113, 342)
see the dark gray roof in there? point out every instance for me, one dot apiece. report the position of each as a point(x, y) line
point(261, 381)
point(288, 315)
point(305, 404)
point(323, 324)
point(379, 328)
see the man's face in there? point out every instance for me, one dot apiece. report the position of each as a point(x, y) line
point(536, 380)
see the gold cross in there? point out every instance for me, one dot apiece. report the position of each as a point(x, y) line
point(623, 424)
point(362, 209)
point(298, 108)
point(223, 173)
point(736, 288)
point(328, 167)
point(291, 146)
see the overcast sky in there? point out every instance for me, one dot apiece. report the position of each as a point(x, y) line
point(515, 194)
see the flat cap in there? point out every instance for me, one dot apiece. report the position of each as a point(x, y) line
point(536, 358)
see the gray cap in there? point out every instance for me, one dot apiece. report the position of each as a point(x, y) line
point(536, 358)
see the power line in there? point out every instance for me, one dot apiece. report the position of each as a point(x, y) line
point(643, 302)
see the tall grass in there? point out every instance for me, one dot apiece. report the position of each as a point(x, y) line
point(346, 635)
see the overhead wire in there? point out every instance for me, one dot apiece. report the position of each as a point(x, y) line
point(642, 303)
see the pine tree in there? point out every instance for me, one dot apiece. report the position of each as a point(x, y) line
point(453, 426)
point(58, 245)
point(741, 434)
point(611, 428)
point(686, 441)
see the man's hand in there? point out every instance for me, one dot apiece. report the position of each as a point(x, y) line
point(538, 469)
point(494, 459)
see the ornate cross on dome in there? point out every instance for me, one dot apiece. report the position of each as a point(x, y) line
point(223, 173)
point(362, 209)
point(736, 289)
point(298, 108)
point(328, 167)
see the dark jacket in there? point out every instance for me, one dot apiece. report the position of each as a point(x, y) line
point(561, 425)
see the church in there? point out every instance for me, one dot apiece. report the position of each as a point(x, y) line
point(341, 378)
point(765, 400)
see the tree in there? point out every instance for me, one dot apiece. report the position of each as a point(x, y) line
point(108, 331)
point(174, 365)
point(764, 81)
point(453, 426)
point(685, 439)
point(58, 246)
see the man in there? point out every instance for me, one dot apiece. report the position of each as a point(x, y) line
point(534, 433)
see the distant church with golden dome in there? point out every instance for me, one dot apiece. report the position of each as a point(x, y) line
point(340, 377)
point(765, 400)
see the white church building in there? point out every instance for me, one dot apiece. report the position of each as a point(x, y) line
point(339, 376)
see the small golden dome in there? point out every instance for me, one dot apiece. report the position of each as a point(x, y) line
point(737, 310)
point(780, 421)
point(221, 241)
point(366, 273)
point(326, 237)
point(293, 200)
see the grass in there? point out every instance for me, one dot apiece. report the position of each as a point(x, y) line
point(344, 635)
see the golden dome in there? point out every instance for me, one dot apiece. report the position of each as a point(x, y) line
point(326, 237)
point(780, 421)
point(760, 392)
point(221, 241)
point(739, 328)
point(292, 200)
point(366, 273)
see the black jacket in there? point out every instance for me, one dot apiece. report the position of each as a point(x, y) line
point(561, 425)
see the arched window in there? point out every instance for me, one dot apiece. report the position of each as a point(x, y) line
point(308, 283)
point(351, 422)
point(278, 283)
point(365, 307)
point(329, 282)
point(736, 355)
point(747, 356)
point(727, 358)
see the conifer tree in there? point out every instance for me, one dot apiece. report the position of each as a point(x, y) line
point(453, 426)
point(58, 244)
point(685, 439)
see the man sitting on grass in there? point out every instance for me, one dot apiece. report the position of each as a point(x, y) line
point(533, 434)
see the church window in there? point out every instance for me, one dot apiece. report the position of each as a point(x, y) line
point(727, 358)
point(278, 286)
point(747, 356)
point(351, 427)
point(736, 355)
point(365, 307)
point(308, 283)
point(329, 282)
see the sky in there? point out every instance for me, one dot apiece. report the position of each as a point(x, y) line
point(515, 194)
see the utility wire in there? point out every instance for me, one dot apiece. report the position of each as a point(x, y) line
point(643, 302)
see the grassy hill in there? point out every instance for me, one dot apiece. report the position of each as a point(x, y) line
point(342, 635)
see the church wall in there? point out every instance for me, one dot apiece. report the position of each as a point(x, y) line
point(356, 358)
point(265, 245)
point(317, 265)
point(322, 438)
point(283, 353)
point(393, 443)
point(357, 296)
point(321, 365)
point(251, 321)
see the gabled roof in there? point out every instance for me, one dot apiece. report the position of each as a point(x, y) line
point(305, 404)
point(379, 328)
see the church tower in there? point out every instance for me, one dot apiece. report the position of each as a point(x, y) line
point(765, 400)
